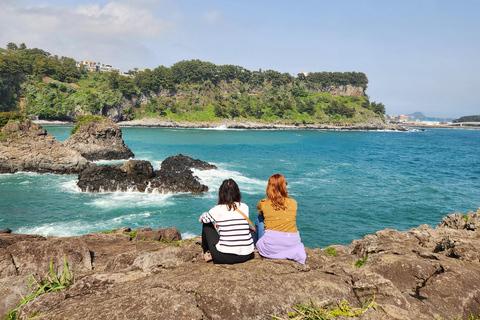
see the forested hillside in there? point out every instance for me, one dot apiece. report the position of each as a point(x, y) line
point(52, 87)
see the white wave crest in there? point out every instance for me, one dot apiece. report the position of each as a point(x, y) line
point(214, 178)
point(78, 227)
point(113, 200)
point(188, 235)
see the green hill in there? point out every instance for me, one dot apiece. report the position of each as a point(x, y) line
point(39, 84)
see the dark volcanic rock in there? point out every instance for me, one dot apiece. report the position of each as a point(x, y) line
point(181, 163)
point(28, 147)
point(133, 175)
point(138, 175)
point(100, 141)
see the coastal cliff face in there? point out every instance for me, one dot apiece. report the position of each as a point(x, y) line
point(99, 141)
point(348, 90)
point(423, 273)
point(28, 147)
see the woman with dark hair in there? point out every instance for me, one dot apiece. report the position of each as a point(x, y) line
point(233, 242)
point(281, 239)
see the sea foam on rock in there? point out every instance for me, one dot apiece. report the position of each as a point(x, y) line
point(410, 275)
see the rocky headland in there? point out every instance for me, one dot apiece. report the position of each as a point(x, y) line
point(27, 146)
point(175, 176)
point(99, 141)
point(423, 273)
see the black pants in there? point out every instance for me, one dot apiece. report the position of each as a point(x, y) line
point(210, 238)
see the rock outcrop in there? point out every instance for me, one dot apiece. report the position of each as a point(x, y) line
point(174, 176)
point(27, 146)
point(423, 273)
point(99, 141)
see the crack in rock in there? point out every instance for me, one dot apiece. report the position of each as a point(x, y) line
point(421, 283)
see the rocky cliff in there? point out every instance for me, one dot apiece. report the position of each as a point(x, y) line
point(26, 146)
point(99, 141)
point(423, 273)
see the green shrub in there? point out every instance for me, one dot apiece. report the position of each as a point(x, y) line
point(5, 117)
point(85, 120)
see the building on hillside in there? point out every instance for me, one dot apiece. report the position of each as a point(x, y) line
point(88, 65)
point(400, 118)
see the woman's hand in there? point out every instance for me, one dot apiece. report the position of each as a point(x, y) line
point(200, 220)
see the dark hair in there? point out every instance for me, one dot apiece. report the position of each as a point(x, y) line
point(229, 193)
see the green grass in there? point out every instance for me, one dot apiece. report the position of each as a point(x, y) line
point(331, 251)
point(311, 311)
point(360, 262)
point(51, 283)
point(85, 120)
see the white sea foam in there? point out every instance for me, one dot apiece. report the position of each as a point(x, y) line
point(223, 128)
point(100, 162)
point(80, 227)
point(214, 178)
point(188, 235)
point(70, 186)
point(113, 200)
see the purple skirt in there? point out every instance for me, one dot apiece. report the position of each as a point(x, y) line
point(282, 245)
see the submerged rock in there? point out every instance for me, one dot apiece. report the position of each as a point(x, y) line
point(26, 146)
point(138, 175)
point(100, 141)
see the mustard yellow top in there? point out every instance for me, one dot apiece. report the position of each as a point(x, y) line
point(279, 220)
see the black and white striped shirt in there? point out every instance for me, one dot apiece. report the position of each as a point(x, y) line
point(233, 228)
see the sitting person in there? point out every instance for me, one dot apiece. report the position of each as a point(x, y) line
point(233, 242)
point(281, 239)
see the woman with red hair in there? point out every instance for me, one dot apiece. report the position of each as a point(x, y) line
point(281, 239)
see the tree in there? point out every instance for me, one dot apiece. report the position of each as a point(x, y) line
point(22, 46)
point(378, 108)
point(12, 46)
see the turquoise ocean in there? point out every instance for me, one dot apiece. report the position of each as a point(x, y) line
point(347, 184)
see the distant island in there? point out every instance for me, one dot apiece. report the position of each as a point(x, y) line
point(48, 87)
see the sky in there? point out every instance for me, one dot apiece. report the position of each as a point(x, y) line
point(419, 56)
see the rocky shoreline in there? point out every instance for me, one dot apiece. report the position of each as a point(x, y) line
point(374, 125)
point(422, 273)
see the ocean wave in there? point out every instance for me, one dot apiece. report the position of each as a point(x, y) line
point(114, 200)
point(223, 128)
point(214, 178)
point(80, 227)
point(188, 235)
point(101, 162)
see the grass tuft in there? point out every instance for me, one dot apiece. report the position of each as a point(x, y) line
point(331, 251)
point(311, 311)
point(52, 282)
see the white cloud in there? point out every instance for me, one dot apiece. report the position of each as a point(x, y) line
point(120, 19)
point(114, 33)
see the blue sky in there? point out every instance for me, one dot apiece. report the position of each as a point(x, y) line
point(418, 55)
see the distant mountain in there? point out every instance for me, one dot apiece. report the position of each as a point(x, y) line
point(468, 119)
point(417, 115)
point(421, 116)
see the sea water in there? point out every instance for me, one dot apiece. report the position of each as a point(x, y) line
point(347, 184)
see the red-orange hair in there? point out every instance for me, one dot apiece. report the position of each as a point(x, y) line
point(277, 191)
